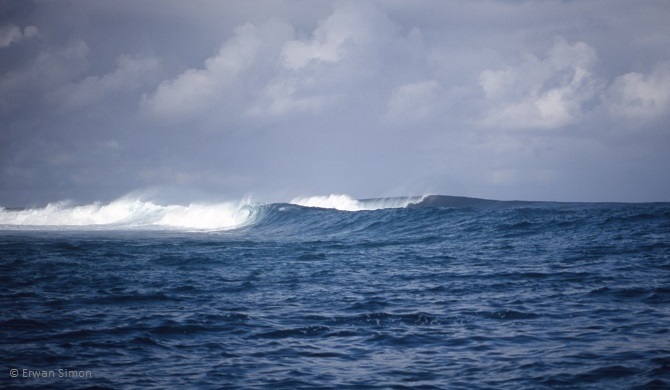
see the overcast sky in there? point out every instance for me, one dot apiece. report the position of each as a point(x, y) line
point(533, 100)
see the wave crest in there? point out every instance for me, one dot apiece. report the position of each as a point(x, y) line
point(347, 203)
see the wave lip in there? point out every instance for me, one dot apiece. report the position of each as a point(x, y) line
point(347, 203)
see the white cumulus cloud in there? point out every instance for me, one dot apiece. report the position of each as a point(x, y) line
point(541, 92)
point(349, 25)
point(327, 67)
point(640, 96)
point(197, 89)
point(130, 74)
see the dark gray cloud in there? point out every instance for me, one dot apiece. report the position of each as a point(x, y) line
point(529, 100)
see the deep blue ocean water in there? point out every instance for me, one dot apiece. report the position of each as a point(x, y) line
point(472, 295)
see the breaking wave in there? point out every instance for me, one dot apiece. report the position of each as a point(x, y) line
point(347, 203)
point(141, 214)
point(134, 213)
point(131, 213)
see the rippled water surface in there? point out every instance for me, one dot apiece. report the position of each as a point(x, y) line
point(516, 297)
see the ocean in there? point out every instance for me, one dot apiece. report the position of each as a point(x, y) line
point(434, 292)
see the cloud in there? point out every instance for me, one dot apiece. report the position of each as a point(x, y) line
point(12, 34)
point(328, 67)
point(286, 95)
point(263, 70)
point(131, 74)
point(543, 93)
point(196, 90)
point(228, 79)
point(49, 70)
point(283, 99)
point(640, 96)
point(348, 26)
point(413, 101)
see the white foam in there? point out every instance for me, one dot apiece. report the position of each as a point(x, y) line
point(131, 213)
point(338, 202)
point(347, 203)
point(202, 216)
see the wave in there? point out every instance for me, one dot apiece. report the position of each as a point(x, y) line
point(132, 213)
point(317, 212)
point(347, 203)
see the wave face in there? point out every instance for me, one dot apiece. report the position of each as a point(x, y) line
point(430, 292)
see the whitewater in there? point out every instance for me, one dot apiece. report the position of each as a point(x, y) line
point(133, 212)
point(336, 292)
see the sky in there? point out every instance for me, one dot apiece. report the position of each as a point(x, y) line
point(221, 100)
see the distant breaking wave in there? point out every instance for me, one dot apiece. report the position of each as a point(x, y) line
point(135, 213)
point(132, 213)
point(126, 213)
point(347, 203)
